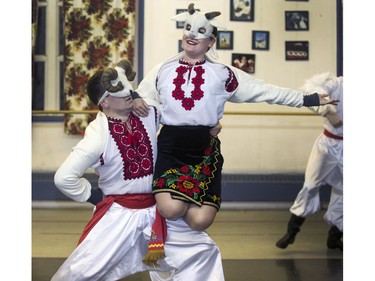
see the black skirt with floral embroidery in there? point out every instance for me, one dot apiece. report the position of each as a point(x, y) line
point(189, 165)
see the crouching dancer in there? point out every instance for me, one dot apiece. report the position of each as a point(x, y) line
point(125, 225)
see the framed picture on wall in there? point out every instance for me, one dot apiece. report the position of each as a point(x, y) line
point(245, 62)
point(179, 48)
point(297, 20)
point(241, 10)
point(224, 40)
point(296, 50)
point(180, 24)
point(261, 40)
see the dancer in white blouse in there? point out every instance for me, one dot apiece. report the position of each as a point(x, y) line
point(191, 89)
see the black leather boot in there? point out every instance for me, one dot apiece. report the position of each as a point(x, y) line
point(334, 239)
point(293, 228)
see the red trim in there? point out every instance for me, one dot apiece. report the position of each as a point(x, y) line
point(135, 148)
point(332, 136)
point(197, 81)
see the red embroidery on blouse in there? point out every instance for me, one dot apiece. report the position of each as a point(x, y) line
point(135, 149)
point(231, 84)
point(196, 93)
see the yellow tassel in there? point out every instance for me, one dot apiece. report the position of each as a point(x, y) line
point(152, 257)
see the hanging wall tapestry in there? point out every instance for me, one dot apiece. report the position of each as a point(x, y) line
point(98, 33)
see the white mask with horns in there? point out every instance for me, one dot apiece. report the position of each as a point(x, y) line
point(198, 25)
point(115, 81)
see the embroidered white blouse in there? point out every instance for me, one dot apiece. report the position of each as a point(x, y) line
point(121, 168)
point(196, 94)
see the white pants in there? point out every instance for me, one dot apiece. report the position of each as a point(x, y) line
point(115, 247)
point(193, 254)
point(325, 166)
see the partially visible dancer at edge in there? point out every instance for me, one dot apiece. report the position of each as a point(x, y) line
point(121, 147)
point(191, 89)
point(324, 167)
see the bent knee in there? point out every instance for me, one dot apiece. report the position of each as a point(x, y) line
point(170, 208)
point(199, 225)
point(170, 214)
point(199, 222)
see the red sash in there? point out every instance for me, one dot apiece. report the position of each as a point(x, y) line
point(134, 201)
point(332, 136)
point(131, 201)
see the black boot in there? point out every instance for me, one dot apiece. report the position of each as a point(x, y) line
point(334, 239)
point(293, 228)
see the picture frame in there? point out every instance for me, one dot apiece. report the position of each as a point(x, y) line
point(242, 10)
point(296, 50)
point(245, 62)
point(224, 40)
point(179, 47)
point(260, 40)
point(180, 24)
point(296, 20)
point(297, 0)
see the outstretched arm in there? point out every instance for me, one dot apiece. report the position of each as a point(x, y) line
point(256, 90)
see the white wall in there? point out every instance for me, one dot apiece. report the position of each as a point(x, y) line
point(250, 143)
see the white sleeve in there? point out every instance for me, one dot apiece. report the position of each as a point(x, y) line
point(147, 88)
point(256, 90)
point(68, 178)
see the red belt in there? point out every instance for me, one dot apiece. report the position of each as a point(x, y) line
point(131, 201)
point(332, 136)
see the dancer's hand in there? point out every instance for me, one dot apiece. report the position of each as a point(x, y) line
point(325, 99)
point(216, 130)
point(140, 107)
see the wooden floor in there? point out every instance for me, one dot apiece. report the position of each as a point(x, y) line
point(246, 239)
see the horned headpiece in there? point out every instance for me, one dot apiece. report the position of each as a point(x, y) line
point(322, 82)
point(196, 22)
point(116, 80)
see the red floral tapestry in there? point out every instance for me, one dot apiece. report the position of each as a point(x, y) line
point(98, 33)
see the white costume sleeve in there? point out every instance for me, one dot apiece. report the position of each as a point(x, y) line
point(147, 88)
point(68, 178)
point(256, 90)
point(249, 90)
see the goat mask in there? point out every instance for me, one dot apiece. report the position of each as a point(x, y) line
point(196, 21)
point(116, 80)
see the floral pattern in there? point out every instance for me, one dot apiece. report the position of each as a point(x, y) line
point(98, 34)
point(197, 81)
point(135, 148)
point(191, 182)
